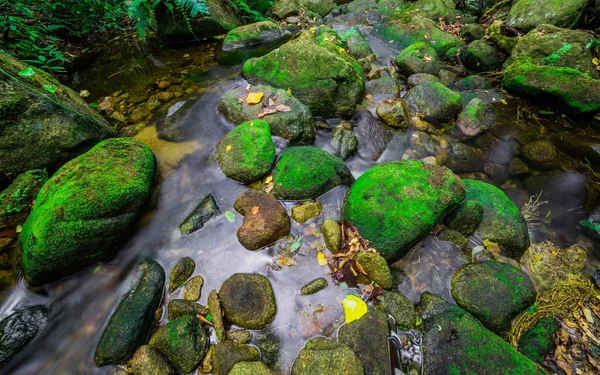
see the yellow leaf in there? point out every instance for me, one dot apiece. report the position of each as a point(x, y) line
point(254, 97)
point(595, 61)
point(321, 259)
point(289, 91)
point(503, 101)
point(354, 308)
point(255, 210)
point(268, 179)
point(228, 148)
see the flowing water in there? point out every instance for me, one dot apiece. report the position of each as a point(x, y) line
point(81, 305)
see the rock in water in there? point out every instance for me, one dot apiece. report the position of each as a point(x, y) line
point(435, 101)
point(180, 273)
point(251, 368)
point(181, 307)
point(306, 172)
point(358, 46)
point(394, 205)
point(37, 132)
point(322, 356)
point(493, 292)
point(130, 324)
point(206, 210)
point(183, 341)
point(527, 14)
point(399, 307)
point(321, 74)
point(248, 300)
point(419, 57)
point(17, 199)
point(314, 286)
point(332, 235)
point(295, 123)
point(376, 268)
point(394, 112)
point(227, 354)
point(86, 209)
point(252, 35)
point(148, 361)
point(479, 56)
point(247, 152)
point(18, 329)
point(343, 142)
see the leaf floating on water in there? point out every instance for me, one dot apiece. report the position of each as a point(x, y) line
point(255, 210)
point(354, 308)
point(295, 245)
point(27, 72)
point(321, 259)
point(230, 216)
point(254, 97)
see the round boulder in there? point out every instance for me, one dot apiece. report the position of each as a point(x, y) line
point(248, 300)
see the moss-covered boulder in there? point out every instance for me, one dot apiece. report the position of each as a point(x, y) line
point(227, 354)
point(320, 7)
point(480, 56)
point(466, 219)
point(470, 121)
point(306, 172)
point(183, 341)
point(360, 6)
point(319, 72)
point(399, 307)
point(252, 35)
point(38, 128)
point(86, 209)
point(357, 45)
point(130, 324)
point(247, 152)
point(394, 112)
point(248, 300)
point(282, 9)
point(538, 341)
point(493, 292)
point(149, 361)
point(502, 222)
point(471, 32)
point(435, 101)
point(527, 14)
point(294, 124)
point(566, 89)
point(419, 57)
point(464, 346)
point(321, 356)
point(18, 329)
point(394, 205)
point(473, 82)
point(17, 199)
point(367, 337)
point(376, 268)
point(251, 368)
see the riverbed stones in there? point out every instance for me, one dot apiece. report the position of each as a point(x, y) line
point(332, 235)
point(306, 211)
point(174, 123)
point(193, 289)
point(435, 101)
point(17, 199)
point(18, 329)
point(248, 300)
point(376, 268)
point(493, 292)
point(149, 361)
point(394, 113)
point(206, 210)
point(541, 154)
point(343, 142)
point(317, 72)
point(183, 269)
point(479, 56)
point(399, 307)
point(419, 57)
point(252, 35)
point(251, 368)
point(322, 356)
point(247, 152)
point(306, 172)
point(181, 307)
point(227, 354)
point(527, 14)
point(86, 208)
point(367, 337)
point(470, 121)
point(294, 125)
point(183, 341)
point(382, 202)
point(264, 227)
point(314, 286)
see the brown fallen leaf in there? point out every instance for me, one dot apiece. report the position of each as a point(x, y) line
point(106, 105)
point(255, 210)
point(204, 320)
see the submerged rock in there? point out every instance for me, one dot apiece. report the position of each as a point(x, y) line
point(541, 154)
point(252, 35)
point(18, 329)
point(17, 199)
point(321, 356)
point(419, 57)
point(314, 286)
point(527, 14)
point(227, 354)
point(86, 209)
point(206, 210)
point(183, 269)
point(367, 337)
point(248, 301)
point(435, 101)
point(175, 124)
point(343, 142)
point(463, 158)
point(148, 361)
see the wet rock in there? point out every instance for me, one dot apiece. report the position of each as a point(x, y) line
point(387, 219)
point(332, 235)
point(373, 135)
point(451, 235)
point(360, 6)
point(131, 322)
point(435, 101)
point(248, 300)
point(513, 292)
point(322, 356)
point(17, 199)
point(331, 83)
point(295, 125)
point(206, 210)
point(399, 307)
point(265, 227)
point(227, 354)
point(306, 211)
point(173, 124)
point(283, 9)
point(394, 113)
point(239, 336)
point(252, 35)
point(214, 307)
point(473, 82)
point(480, 56)
point(357, 45)
point(247, 152)
point(86, 209)
point(419, 78)
point(269, 345)
point(164, 96)
point(314, 286)
point(18, 329)
point(539, 340)
point(373, 74)
point(528, 14)
point(320, 320)
point(251, 368)
point(183, 341)
point(569, 189)
point(419, 57)
point(466, 218)
point(470, 120)
point(541, 154)
point(367, 337)
point(463, 158)
point(518, 168)
point(193, 289)
point(472, 32)
point(181, 307)
point(38, 133)
point(422, 143)
point(183, 269)
point(148, 361)
point(383, 86)
point(344, 142)
point(447, 77)
point(376, 268)
point(306, 172)
point(498, 173)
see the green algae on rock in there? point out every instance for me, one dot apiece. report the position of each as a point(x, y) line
point(306, 211)
point(394, 205)
point(206, 210)
point(435, 101)
point(130, 324)
point(252, 35)
point(358, 46)
point(227, 354)
point(306, 172)
point(193, 288)
point(466, 218)
point(181, 271)
point(17, 199)
point(247, 152)
point(344, 142)
point(419, 57)
point(321, 356)
point(479, 56)
point(248, 300)
point(399, 307)
point(86, 208)
point(394, 112)
point(493, 292)
point(314, 286)
point(376, 268)
point(181, 307)
point(148, 361)
point(527, 14)
point(538, 341)
point(251, 368)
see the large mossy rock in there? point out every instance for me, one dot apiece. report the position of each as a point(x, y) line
point(130, 324)
point(252, 35)
point(463, 346)
point(18, 329)
point(86, 209)
point(493, 292)
point(358, 46)
point(306, 172)
point(563, 88)
point(248, 300)
point(295, 125)
point(247, 152)
point(435, 101)
point(479, 56)
point(320, 73)
point(527, 14)
point(419, 57)
point(17, 199)
point(183, 341)
point(39, 129)
point(537, 342)
point(501, 223)
point(321, 356)
point(394, 205)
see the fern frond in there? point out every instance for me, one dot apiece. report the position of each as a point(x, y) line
point(194, 7)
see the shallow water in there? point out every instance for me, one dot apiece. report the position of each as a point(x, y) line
point(81, 305)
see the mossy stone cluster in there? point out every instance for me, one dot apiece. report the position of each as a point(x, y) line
point(248, 300)
point(394, 205)
point(419, 57)
point(86, 208)
point(252, 35)
point(17, 199)
point(434, 101)
point(321, 356)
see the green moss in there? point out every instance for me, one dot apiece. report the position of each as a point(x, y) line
point(253, 34)
point(538, 341)
point(413, 59)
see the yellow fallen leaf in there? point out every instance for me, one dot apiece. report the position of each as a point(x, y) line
point(503, 101)
point(595, 61)
point(268, 179)
point(354, 308)
point(228, 148)
point(321, 259)
point(289, 91)
point(254, 97)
